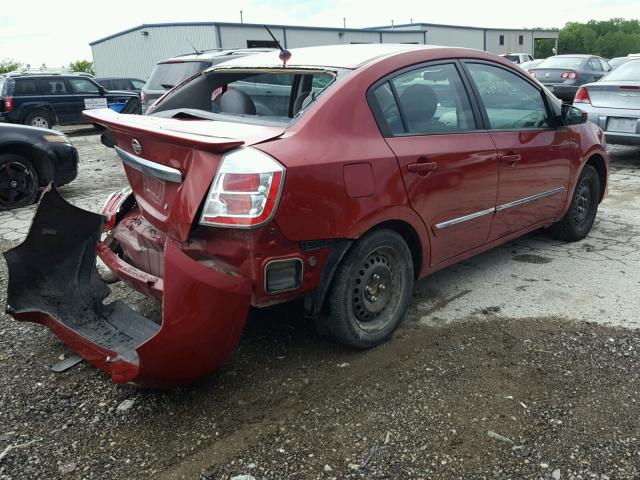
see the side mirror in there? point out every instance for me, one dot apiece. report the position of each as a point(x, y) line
point(572, 115)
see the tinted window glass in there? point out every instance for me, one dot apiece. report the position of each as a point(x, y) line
point(81, 85)
point(168, 75)
point(594, 64)
point(26, 86)
point(562, 62)
point(120, 84)
point(389, 108)
point(511, 102)
point(605, 66)
point(433, 100)
point(53, 86)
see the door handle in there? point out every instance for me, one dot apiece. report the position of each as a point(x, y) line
point(512, 159)
point(422, 168)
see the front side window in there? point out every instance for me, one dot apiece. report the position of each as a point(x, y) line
point(510, 101)
point(594, 64)
point(431, 99)
point(83, 86)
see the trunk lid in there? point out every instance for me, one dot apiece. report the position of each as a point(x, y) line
point(551, 75)
point(615, 95)
point(170, 163)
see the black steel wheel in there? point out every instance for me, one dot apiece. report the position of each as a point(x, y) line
point(577, 222)
point(18, 182)
point(371, 290)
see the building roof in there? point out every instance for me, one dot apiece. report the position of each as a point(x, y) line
point(339, 56)
point(408, 27)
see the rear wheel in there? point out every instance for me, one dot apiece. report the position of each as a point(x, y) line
point(577, 222)
point(371, 290)
point(18, 182)
point(39, 118)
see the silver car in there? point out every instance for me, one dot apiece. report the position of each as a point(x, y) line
point(613, 103)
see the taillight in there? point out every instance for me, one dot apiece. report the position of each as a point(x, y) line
point(8, 104)
point(112, 207)
point(569, 75)
point(582, 96)
point(245, 191)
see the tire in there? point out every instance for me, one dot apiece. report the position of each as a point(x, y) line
point(577, 222)
point(39, 118)
point(371, 290)
point(18, 182)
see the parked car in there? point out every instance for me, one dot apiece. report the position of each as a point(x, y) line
point(46, 100)
point(361, 185)
point(563, 74)
point(613, 103)
point(526, 66)
point(518, 57)
point(122, 84)
point(31, 158)
point(169, 73)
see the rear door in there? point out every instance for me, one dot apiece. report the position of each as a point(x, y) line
point(534, 156)
point(57, 93)
point(449, 166)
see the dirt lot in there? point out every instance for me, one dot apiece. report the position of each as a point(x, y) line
point(521, 363)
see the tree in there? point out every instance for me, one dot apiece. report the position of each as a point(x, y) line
point(9, 65)
point(608, 38)
point(82, 66)
point(543, 47)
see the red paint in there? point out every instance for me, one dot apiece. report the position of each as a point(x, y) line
point(342, 179)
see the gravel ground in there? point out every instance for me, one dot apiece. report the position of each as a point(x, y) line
point(521, 363)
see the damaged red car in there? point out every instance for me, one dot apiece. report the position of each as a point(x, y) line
point(339, 178)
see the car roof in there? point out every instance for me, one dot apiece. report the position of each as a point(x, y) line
point(215, 54)
point(338, 56)
point(575, 55)
point(116, 78)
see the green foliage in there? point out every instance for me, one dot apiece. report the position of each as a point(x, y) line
point(9, 65)
point(608, 38)
point(82, 66)
point(543, 47)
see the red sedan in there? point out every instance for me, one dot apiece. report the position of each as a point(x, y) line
point(340, 178)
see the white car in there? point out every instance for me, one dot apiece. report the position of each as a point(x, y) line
point(517, 57)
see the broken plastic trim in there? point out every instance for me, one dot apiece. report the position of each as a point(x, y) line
point(53, 280)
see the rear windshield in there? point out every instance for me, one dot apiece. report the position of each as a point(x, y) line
point(562, 62)
point(513, 58)
point(628, 71)
point(168, 75)
point(274, 95)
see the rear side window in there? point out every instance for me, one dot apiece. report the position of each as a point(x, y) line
point(431, 100)
point(594, 64)
point(53, 86)
point(168, 75)
point(26, 86)
point(510, 101)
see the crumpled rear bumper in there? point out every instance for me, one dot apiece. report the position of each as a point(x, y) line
point(53, 281)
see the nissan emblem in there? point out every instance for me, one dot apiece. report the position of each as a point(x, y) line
point(135, 145)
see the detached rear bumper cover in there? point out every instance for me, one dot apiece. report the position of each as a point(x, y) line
point(53, 281)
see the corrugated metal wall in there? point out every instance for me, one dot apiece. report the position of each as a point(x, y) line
point(134, 55)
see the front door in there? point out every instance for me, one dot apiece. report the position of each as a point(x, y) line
point(87, 96)
point(534, 157)
point(450, 169)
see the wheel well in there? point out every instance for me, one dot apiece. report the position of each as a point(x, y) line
point(38, 158)
point(407, 232)
point(597, 162)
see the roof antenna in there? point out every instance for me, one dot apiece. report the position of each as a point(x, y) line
point(198, 52)
point(285, 54)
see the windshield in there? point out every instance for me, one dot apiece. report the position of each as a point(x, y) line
point(277, 94)
point(168, 75)
point(562, 62)
point(628, 71)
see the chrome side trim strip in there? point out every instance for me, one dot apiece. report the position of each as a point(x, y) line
point(537, 196)
point(150, 168)
point(466, 218)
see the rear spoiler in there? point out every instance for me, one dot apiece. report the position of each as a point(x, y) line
point(167, 129)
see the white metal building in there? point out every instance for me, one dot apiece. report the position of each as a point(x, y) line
point(134, 52)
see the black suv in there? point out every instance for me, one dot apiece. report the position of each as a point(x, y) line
point(44, 100)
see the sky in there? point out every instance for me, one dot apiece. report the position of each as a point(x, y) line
point(56, 33)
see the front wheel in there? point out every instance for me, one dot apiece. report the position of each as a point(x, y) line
point(18, 182)
point(371, 290)
point(577, 222)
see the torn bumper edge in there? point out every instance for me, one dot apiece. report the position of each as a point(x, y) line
point(53, 281)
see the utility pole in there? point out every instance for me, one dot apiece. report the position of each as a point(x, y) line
point(241, 20)
point(344, 22)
